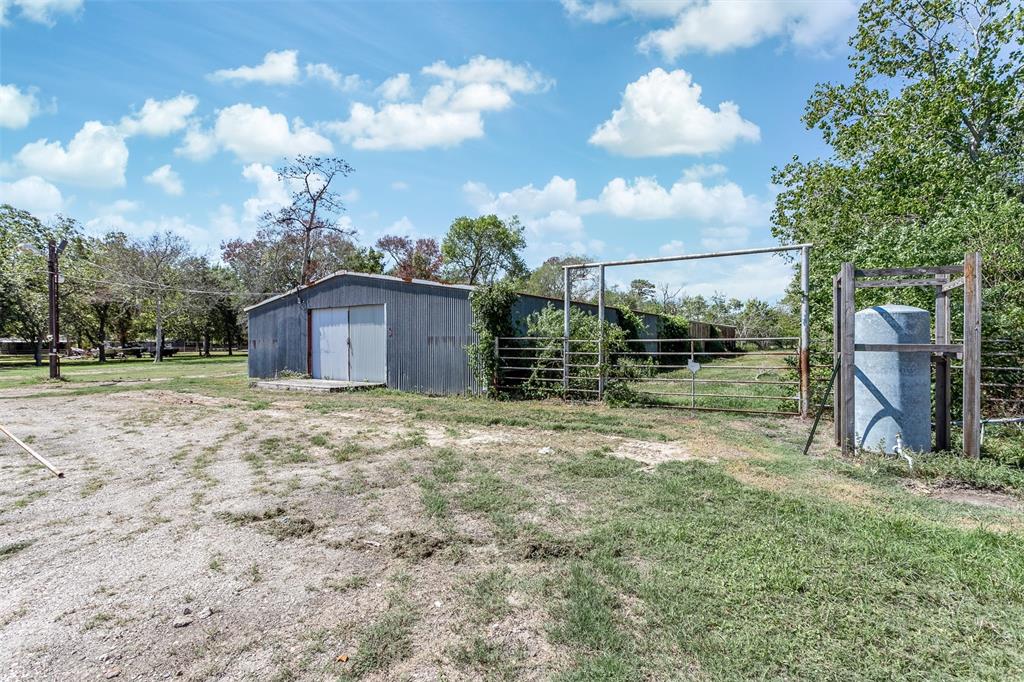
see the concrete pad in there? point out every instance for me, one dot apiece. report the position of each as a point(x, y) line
point(313, 385)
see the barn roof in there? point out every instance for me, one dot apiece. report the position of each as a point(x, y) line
point(365, 275)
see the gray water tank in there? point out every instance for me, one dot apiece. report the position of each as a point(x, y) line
point(892, 391)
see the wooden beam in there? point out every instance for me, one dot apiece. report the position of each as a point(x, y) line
point(955, 284)
point(907, 272)
point(886, 283)
point(846, 371)
point(942, 382)
point(837, 326)
point(24, 446)
point(972, 355)
point(910, 347)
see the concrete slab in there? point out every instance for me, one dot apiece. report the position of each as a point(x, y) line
point(313, 385)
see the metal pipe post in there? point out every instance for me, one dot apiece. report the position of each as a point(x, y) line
point(805, 332)
point(601, 366)
point(51, 272)
point(566, 293)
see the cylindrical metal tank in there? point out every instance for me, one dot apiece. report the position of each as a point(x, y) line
point(892, 391)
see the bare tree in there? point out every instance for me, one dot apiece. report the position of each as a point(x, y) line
point(315, 207)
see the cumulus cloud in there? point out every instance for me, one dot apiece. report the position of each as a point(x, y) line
point(166, 179)
point(339, 81)
point(450, 112)
point(40, 11)
point(661, 115)
point(96, 157)
point(32, 194)
point(159, 118)
point(253, 134)
point(395, 88)
point(644, 198)
point(715, 26)
point(17, 107)
point(271, 194)
point(277, 68)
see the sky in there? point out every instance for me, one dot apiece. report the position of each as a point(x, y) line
point(613, 129)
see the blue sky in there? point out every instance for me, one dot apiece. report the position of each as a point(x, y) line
point(614, 129)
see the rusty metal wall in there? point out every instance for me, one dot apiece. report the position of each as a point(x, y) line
point(428, 328)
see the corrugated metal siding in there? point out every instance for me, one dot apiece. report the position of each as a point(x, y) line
point(428, 328)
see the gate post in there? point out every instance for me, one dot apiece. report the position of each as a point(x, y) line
point(972, 355)
point(805, 332)
point(565, 331)
point(942, 382)
point(601, 335)
point(846, 371)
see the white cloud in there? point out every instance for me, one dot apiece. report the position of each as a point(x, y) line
point(701, 171)
point(395, 88)
point(32, 194)
point(724, 238)
point(119, 206)
point(40, 11)
point(672, 248)
point(159, 118)
point(95, 157)
point(277, 68)
point(253, 134)
point(166, 179)
point(715, 26)
point(498, 72)
point(661, 115)
point(271, 193)
point(17, 108)
point(450, 113)
point(198, 144)
point(340, 81)
point(645, 199)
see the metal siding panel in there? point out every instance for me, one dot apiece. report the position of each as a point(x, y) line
point(367, 344)
point(331, 344)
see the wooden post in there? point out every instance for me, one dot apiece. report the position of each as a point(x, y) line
point(837, 331)
point(972, 355)
point(846, 372)
point(942, 382)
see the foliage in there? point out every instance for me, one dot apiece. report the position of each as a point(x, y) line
point(315, 209)
point(492, 317)
point(547, 279)
point(927, 155)
point(483, 250)
point(584, 332)
point(420, 259)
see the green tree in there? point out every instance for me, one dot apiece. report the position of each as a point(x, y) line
point(483, 250)
point(547, 280)
point(927, 156)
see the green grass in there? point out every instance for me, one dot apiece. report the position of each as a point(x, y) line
point(386, 641)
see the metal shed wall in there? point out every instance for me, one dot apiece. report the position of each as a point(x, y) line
point(428, 328)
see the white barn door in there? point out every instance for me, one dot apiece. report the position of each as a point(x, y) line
point(367, 344)
point(330, 343)
point(350, 344)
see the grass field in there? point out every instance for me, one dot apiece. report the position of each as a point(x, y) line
point(379, 535)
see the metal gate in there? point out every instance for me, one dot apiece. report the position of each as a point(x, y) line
point(349, 344)
point(751, 375)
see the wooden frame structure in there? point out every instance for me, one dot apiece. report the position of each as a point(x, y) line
point(845, 285)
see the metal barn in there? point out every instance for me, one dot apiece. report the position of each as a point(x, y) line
point(409, 335)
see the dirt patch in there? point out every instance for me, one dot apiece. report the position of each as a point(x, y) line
point(975, 497)
point(411, 544)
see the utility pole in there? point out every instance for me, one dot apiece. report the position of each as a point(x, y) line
point(53, 280)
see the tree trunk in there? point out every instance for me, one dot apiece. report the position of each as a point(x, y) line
point(158, 354)
point(229, 339)
point(37, 351)
point(206, 343)
point(101, 317)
